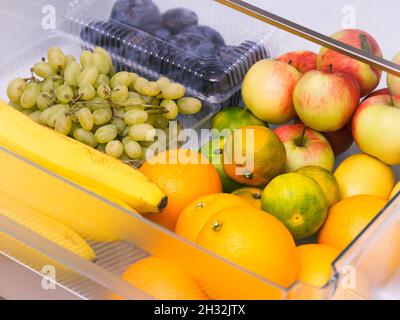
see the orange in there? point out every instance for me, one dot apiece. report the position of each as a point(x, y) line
point(254, 240)
point(315, 264)
point(184, 176)
point(253, 156)
point(251, 194)
point(196, 214)
point(362, 174)
point(395, 190)
point(348, 218)
point(163, 281)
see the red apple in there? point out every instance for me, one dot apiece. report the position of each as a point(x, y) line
point(340, 140)
point(325, 100)
point(393, 81)
point(380, 92)
point(368, 77)
point(268, 91)
point(376, 128)
point(303, 61)
point(305, 147)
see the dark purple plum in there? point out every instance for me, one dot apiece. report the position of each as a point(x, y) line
point(136, 13)
point(194, 43)
point(176, 20)
point(157, 30)
point(207, 32)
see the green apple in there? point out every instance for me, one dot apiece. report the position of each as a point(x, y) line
point(376, 128)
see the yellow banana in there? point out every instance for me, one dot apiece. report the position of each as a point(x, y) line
point(42, 225)
point(78, 162)
point(88, 216)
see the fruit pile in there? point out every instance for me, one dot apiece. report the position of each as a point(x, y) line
point(256, 213)
point(117, 113)
point(291, 195)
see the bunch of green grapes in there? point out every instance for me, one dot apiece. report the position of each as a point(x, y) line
point(117, 113)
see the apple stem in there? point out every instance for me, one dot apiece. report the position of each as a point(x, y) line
point(331, 68)
point(392, 101)
point(303, 133)
point(290, 62)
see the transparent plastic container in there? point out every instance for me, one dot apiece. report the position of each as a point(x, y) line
point(212, 73)
point(367, 269)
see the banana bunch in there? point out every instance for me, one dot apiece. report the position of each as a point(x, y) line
point(78, 162)
point(44, 226)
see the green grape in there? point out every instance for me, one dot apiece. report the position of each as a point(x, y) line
point(35, 115)
point(71, 74)
point(26, 112)
point(101, 148)
point(102, 116)
point(132, 149)
point(58, 81)
point(158, 122)
point(64, 124)
point(88, 76)
point(57, 59)
point(119, 94)
point(75, 126)
point(64, 93)
point(173, 91)
point(189, 105)
point(120, 125)
point(135, 117)
point(44, 70)
point(101, 62)
point(97, 103)
point(125, 157)
point(30, 94)
point(151, 100)
point(50, 115)
point(15, 105)
point(102, 79)
point(142, 132)
point(119, 113)
point(133, 103)
point(85, 119)
point(125, 133)
point(134, 77)
point(163, 81)
point(104, 91)
point(87, 93)
point(48, 86)
point(172, 108)
point(85, 137)
point(70, 58)
point(106, 55)
point(147, 88)
point(45, 100)
point(106, 134)
point(122, 78)
point(15, 89)
point(86, 58)
point(115, 149)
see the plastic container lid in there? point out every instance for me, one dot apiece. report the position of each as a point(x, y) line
point(201, 44)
